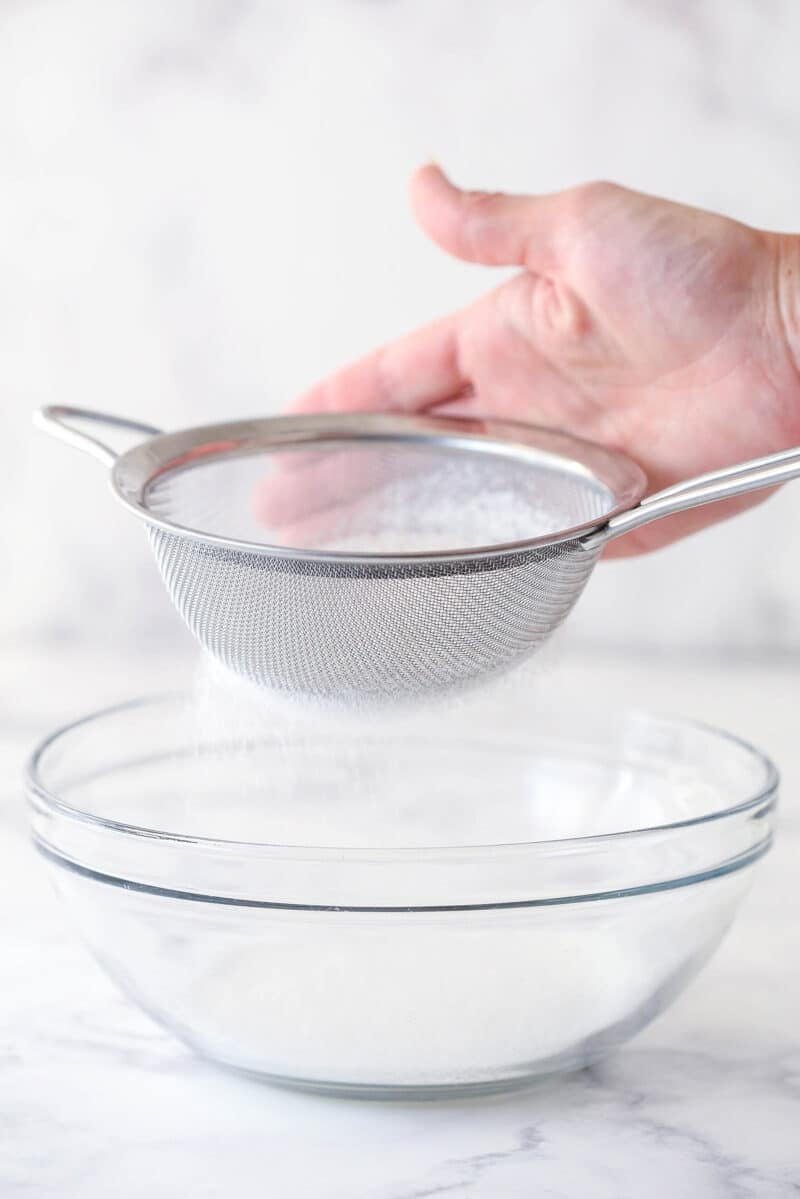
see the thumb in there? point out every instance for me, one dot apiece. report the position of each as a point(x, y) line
point(487, 227)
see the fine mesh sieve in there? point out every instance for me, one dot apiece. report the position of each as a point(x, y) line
point(348, 554)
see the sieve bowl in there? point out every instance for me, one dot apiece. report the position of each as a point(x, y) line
point(367, 554)
point(364, 908)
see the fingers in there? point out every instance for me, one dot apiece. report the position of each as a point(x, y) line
point(413, 374)
point(408, 375)
point(489, 227)
point(306, 494)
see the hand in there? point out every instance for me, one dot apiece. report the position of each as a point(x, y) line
point(666, 332)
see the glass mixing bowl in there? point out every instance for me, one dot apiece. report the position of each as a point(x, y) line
point(394, 904)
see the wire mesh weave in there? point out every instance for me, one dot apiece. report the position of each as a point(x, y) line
point(359, 628)
point(349, 624)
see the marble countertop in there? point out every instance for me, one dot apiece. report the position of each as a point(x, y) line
point(95, 1100)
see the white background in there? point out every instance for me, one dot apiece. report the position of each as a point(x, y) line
point(202, 210)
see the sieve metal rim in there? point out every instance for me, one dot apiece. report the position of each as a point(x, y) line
point(136, 469)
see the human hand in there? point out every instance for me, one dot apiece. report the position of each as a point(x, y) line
point(667, 332)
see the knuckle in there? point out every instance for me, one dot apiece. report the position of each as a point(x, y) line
point(589, 196)
point(478, 201)
point(558, 311)
point(478, 217)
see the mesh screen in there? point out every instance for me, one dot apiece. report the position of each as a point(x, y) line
point(349, 627)
point(376, 497)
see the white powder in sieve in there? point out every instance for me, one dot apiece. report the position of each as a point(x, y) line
point(442, 522)
point(377, 500)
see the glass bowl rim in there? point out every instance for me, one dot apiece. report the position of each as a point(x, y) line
point(765, 795)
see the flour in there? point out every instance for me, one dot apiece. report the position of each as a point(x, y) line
point(376, 500)
point(420, 997)
point(413, 1001)
point(415, 998)
point(479, 767)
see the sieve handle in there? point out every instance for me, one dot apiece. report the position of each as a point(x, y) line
point(704, 489)
point(61, 420)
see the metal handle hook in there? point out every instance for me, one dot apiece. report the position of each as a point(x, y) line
point(56, 419)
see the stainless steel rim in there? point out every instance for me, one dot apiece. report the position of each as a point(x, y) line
point(543, 448)
point(619, 475)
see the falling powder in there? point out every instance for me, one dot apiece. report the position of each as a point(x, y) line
point(414, 998)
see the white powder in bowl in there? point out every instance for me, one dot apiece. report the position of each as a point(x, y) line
point(421, 998)
point(415, 999)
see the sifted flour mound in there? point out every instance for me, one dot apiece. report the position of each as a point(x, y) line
point(415, 1000)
